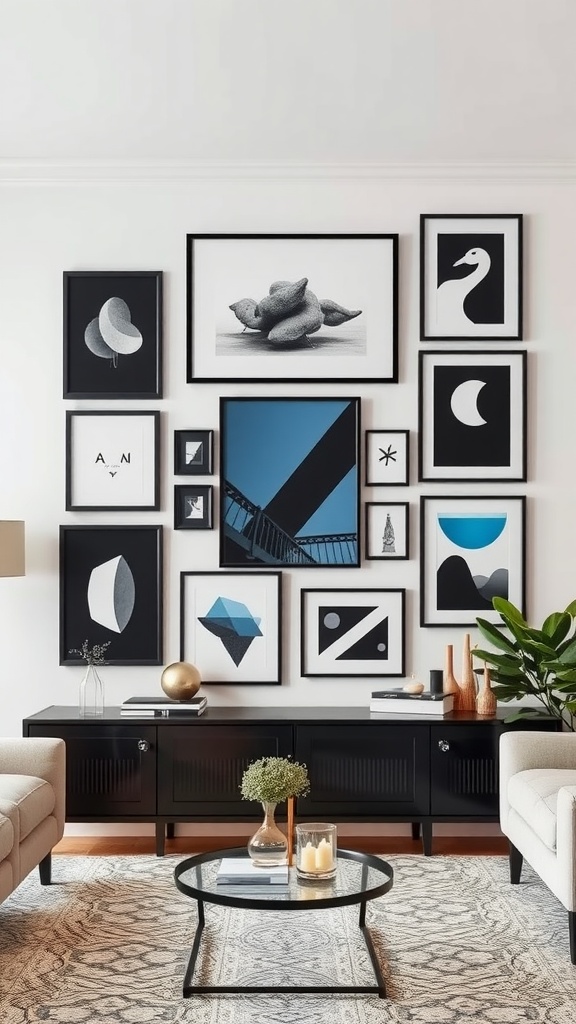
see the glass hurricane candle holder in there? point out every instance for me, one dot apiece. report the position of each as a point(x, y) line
point(315, 851)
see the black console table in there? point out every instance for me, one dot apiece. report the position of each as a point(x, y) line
point(362, 767)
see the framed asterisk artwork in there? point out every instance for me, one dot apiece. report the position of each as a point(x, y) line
point(230, 626)
point(387, 458)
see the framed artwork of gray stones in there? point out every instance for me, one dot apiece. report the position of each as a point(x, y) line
point(471, 277)
point(292, 308)
point(112, 334)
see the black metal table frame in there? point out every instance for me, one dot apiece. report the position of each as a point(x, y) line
point(242, 903)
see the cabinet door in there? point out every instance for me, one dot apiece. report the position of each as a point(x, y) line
point(110, 769)
point(464, 769)
point(200, 769)
point(372, 770)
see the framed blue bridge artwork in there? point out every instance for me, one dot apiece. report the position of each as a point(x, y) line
point(290, 482)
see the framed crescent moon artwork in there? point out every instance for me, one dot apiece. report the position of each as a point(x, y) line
point(472, 416)
point(471, 277)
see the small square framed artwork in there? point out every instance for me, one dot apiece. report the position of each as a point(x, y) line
point(472, 549)
point(230, 626)
point(352, 632)
point(386, 530)
point(193, 452)
point(471, 277)
point(192, 507)
point(113, 334)
point(387, 458)
point(112, 461)
point(472, 416)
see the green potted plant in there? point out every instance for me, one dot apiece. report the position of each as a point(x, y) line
point(530, 662)
point(271, 780)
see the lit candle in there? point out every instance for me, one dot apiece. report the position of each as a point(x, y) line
point(308, 857)
point(324, 859)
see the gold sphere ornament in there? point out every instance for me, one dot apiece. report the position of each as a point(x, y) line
point(180, 680)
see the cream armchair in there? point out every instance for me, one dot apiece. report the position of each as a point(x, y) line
point(538, 811)
point(32, 797)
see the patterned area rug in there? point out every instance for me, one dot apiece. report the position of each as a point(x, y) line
point(109, 943)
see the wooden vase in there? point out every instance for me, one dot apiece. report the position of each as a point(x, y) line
point(466, 697)
point(450, 685)
point(486, 701)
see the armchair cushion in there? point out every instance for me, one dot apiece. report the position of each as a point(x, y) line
point(27, 800)
point(6, 836)
point(533, 794)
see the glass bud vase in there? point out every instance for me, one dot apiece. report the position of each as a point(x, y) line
point(268, 846)
point(91, 700)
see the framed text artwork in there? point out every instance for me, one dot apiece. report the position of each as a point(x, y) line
point(471, 277)
point(472, 416)
point(111, 589)
point(193, 452)
point(292, 308)
point(192, 507)
point(387, 458)
point(352, 632)
point(112, 461)
point(112, 334)
point(289, 471)
point(230, 625)
point(386, 530)
point(472, 549)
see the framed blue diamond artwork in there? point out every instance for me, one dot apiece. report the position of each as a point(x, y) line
point(230, 626)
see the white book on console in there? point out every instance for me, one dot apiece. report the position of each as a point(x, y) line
point(423, 704)
point(241, 871)
point(164, 704)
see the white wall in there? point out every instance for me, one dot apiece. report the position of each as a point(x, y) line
point(48, 228)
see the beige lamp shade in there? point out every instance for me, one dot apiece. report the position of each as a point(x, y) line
point(12, 561)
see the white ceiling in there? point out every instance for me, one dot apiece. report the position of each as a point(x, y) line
point(288, 80)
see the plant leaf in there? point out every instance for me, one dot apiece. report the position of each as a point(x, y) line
point(571, 609)
point(508, 611)
point(523, 713)
point(492, 633)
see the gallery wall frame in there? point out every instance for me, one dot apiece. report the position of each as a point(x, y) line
point(352, 632)
point(112, 461)
point(230, 626)
point(387, 458)
point(112, 334)
point(289, 482)
point(483, 303)
point(473, 548)
point(386, 530)
point(290, 308)
point(472, 412)
point(193, 506)
point(193, 452)
point(111, 590)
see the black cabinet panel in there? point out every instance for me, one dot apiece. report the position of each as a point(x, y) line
point(200, 771)
point(464, 770)
point(364, 769)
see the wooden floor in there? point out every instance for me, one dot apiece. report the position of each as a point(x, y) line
point(115, 845)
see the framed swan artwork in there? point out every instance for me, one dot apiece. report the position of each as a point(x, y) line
point(471, 277)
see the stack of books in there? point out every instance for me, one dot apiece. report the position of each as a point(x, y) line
point(398, 702)
point(239, 874)
point(138, 707)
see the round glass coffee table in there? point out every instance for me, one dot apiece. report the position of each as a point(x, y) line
point(360, 877)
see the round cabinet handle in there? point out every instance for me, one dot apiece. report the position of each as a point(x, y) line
point(443, 745)
point(143, 745)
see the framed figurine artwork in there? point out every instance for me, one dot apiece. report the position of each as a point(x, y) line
point(471, 277)
point(386, 530)
point(292, 308)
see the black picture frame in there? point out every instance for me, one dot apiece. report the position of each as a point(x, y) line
point(386, 531)
point(193, 506)
point(112, 459)
point(472, 412)
point(111, 590)
point(193, 452)
point(472, 548)
point(231, 626)
point(338, 324)
point(127, 365)
point(353, 632)
point(289, 482)
point(484, 305)
point(387, 458)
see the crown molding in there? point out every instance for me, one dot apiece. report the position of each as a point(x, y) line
point(167, 172)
